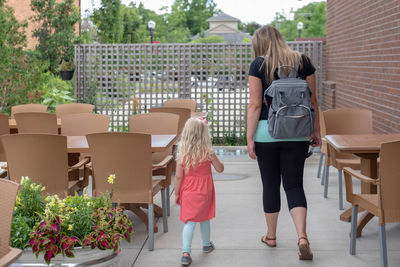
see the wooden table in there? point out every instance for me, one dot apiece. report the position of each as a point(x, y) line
point(367, 147)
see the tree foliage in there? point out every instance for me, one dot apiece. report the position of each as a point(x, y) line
point(209, 39)
point(313, 17)
point(109, 21)
point(12, 42)
point(56, 30)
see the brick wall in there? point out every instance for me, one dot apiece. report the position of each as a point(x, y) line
point(363, 58)
point(23, 12)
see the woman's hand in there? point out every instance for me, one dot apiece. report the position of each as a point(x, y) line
point(177, 199)
point(251, 149)
point(315, 139)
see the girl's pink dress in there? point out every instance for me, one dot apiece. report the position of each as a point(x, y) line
point(197, 194)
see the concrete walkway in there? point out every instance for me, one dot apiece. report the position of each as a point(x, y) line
point(239, 225)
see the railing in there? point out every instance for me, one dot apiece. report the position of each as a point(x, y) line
point(126, 79)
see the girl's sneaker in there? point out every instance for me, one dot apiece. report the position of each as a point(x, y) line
point(186, 260)
point(208, 249)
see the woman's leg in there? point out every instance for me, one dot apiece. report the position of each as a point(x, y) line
point(187, 236)
point(205, 231)
point(293, 155)
point(269, 164)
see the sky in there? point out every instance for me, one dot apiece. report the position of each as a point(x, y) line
point(260, 11)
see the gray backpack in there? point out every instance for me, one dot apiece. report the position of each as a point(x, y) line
point(291, 114)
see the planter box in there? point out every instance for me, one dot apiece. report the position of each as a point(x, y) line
point(83, 257)
point(66, 75)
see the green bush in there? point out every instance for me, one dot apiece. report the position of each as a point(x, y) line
point(56, 92)
point(210, 39)
point(28, 207)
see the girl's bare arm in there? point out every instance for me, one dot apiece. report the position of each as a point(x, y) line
point(217, 164)
point(178, 181)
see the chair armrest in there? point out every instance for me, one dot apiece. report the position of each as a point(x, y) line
point(79, 164)
point(163, 163)
point(89, 166)
point(360, 176)
point(4, 167)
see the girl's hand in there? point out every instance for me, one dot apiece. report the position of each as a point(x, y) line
point(251, 149)
point(177, 200)
point(316, 139)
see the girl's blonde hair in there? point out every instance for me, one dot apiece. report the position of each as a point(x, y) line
point(195, 144)
point(268, 42)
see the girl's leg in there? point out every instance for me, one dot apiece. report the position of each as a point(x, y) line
point(187, 236)
point(293, 155)
point(205, 231)
point(269, 164)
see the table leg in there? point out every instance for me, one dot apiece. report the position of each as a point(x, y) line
point(73, 158)
point(365, 218)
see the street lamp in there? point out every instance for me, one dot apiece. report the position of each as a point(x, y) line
point(151, 26)
point(300, 27)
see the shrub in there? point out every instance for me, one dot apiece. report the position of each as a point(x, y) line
point(56, 92)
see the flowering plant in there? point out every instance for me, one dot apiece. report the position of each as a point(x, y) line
point(62, 224)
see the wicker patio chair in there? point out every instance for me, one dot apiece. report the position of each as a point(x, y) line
point(8, 192)
point(386, 204)
point(36, 122)
point(324, 157)
point(158, 123)
point(43, 158)
point(344, 121)
point(184, 114)
point(84, 123)
point(181, 103)
point(4, 129)
point(27, 108)
point(73, 108)
point(128, 156)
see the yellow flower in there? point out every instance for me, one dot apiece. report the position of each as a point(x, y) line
point(62, 205)
point(111, 179)
point(32, 186)
point(43, 188)
point(70, 227)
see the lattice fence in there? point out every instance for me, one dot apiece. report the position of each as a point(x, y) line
point(126, 79)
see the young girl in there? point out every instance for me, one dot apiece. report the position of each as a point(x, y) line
point(194, 187)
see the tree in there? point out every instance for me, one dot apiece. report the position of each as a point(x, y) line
point(55, 31)
point(251, 27)
point(313, 17)
point(12, 42)
point(108, 19)
point(195, 13)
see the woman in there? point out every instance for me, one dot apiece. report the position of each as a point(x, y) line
point(279, 158)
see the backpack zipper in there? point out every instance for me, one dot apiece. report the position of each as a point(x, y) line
point(277, 113)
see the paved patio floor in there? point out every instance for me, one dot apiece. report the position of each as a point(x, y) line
point(239, 225)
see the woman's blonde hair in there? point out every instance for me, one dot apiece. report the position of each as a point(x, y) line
point(268, 42)
point(195, 144)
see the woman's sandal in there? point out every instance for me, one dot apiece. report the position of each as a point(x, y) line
point(265, 240)
point(304, 250)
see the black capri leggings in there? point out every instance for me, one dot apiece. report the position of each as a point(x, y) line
point(286, 160)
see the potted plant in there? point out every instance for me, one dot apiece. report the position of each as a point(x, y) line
point(74, 230)
point(66, 69)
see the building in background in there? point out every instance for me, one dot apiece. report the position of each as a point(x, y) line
point(23, 12)
point(363, 59)
point(226, 27)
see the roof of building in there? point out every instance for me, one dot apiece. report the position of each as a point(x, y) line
point(222, 17)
